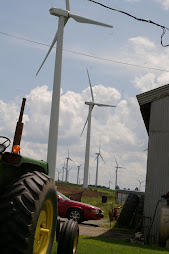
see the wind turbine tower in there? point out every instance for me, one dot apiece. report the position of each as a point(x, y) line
point(117, 167)
point(78, 171)
point(97, 165)
point(91, 105)
point(64, 16)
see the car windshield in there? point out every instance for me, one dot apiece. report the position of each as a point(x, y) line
point(62, 196)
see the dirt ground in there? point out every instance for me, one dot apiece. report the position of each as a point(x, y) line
point(68, 190)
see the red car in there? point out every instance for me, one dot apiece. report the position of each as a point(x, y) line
point(76, 210)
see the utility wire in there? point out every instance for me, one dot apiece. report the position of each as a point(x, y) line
point(85, 55)
point(164, 28)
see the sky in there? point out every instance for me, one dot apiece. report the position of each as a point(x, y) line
point(122, 61)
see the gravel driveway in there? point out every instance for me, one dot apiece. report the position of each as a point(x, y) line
point(95, 228)
point(92, 227)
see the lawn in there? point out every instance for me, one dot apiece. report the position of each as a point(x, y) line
point(102, 245)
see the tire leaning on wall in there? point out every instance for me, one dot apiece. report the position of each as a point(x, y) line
point(128, 209)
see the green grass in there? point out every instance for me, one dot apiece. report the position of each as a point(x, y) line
point(100, 245)
point(97, 201)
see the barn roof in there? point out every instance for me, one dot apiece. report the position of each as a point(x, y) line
point(145, 100)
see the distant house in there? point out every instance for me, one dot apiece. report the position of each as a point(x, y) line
point(121, 195)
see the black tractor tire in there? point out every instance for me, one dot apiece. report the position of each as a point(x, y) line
point(128, 210)
point(68, 238)
point(75, 214)
point(28, 209)
point(139, 215)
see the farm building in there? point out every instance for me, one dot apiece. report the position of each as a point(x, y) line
point(154, 106)
point(121, 195)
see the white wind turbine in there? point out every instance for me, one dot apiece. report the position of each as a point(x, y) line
point(78, 171)
point(97, 165)
point(117, 167)
point(88, 120)
point(63, 170)
point(140, 182)
point(64, 16)
point(67, 166)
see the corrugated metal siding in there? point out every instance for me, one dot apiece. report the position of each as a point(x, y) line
point(153, 95)
point(157, 179)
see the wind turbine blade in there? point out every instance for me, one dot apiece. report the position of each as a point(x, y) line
point(67, 5)
point(84, 127)
point(53, 43)
point(86, 20)
point(96, 158)
point(102, 159)
point(100, 145)
point(90, 85)
point(121, 167)
point(81, 165)
point(116, 161)
point(103, 105)
point(71, 160)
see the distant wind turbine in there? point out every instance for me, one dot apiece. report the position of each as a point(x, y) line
point(67, 166)
point(110, 182)
point(78, 171)
point(64, 16)
point(140, 182)
point(59, 172)
point(97, 165)
point(88, 120)
point(117, 167)
point(63, 170)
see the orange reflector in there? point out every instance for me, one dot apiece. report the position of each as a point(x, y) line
point(16, 149)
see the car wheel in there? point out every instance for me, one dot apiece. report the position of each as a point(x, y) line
point(76, 215)
point(68, 238)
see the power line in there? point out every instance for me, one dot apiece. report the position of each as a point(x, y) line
point(85, 55)
point(164, 28)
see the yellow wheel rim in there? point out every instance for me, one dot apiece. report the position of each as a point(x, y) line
point(75, 242)
point(43, 228)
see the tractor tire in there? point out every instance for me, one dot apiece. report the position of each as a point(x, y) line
point(139, 215)
point(28, 209)
point(128, 210)
point(75, 214)
point(68, 238)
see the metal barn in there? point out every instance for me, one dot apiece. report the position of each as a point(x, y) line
point(154, 106)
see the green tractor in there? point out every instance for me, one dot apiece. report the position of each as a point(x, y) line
point(28, 204)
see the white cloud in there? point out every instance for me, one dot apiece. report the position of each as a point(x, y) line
point(121, 130)
point(164, 3)
point(142, 50)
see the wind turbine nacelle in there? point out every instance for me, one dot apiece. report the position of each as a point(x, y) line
point(59, 12)
point(89, 103)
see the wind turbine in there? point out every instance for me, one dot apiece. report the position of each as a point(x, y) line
point(91, 105)
point(117, 167)
point(140, 182)
point(110, 182)
point(63, 169)
point(64, 16)
point(59, 172)
point(78, 170)
point(97, 165)
point(68, 173)
point(67, 166)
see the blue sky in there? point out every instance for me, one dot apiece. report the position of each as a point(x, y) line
point(121, 130)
